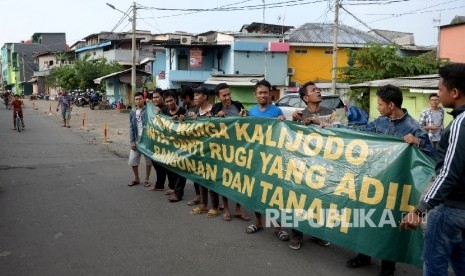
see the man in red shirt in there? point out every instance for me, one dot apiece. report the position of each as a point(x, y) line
point(17, 105)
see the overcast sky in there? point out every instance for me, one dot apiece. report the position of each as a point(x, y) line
point(22, 18)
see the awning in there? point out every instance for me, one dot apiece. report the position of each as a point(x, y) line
point(235, 80)
point(138, 73)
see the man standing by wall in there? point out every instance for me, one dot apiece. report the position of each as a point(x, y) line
point(432, 120)
point(445, 201)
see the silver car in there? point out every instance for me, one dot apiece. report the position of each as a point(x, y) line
point(292, 102)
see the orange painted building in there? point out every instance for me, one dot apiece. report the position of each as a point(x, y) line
point(313, 63)
point(311, 49)
point(452, 41)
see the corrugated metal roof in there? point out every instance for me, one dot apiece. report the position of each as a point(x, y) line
point(423, 81)
point(322, 33)
point(235, 80)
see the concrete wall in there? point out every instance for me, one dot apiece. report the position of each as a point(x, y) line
point(451, 43)
point(315, 64)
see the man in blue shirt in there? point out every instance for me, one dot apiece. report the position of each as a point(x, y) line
point(263, 107)
point(396, 121)
point(266, 110)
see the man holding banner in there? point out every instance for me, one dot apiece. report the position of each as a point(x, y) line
point(394, 120)
point(445, 201)
point(266, 110)
point(227, 107)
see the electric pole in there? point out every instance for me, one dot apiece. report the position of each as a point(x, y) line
point(133, 68)
point(335, 34)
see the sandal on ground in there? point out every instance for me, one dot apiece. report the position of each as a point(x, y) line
point(133, 183)
point(147, 183)
point(321, 242)
point(193, 202)
point(198, 211)
point(242, 217)
point(169, 192)
point(212, 213)
point(282, 235)
point(174, 198)
point(252, 229)
point(226, 217)
point(358, 261)
point(295, 244)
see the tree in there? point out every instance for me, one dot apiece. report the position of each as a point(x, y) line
point(81, 74)
point(376, 61)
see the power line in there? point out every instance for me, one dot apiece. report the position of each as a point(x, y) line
point(364, 24)
point(413, 11)
point(250, 7)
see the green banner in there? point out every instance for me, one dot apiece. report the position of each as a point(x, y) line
point(348, 187)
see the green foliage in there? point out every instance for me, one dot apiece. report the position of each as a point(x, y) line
point(376, 61)
point(81, 74)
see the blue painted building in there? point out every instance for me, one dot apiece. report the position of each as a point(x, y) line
point(191, 60)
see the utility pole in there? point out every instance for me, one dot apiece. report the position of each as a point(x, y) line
point(335, 34)
point(438, 21)
point(24, 76)
point(133, 69)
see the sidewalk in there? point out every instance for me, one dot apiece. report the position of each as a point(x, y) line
point(93, 131)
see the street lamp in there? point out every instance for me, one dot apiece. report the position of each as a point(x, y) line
point(133, 47)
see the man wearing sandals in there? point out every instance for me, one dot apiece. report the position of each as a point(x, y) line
point(136, 125)
point(227, 107)
point(445, 201)
point(202, 109)
point(176, 112)
point(313, 114)
point(394, 120)
point(265, 110)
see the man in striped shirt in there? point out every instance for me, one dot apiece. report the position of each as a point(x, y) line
point(445, 201)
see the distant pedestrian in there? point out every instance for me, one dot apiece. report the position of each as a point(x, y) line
point(65, 102)
point(432, 120)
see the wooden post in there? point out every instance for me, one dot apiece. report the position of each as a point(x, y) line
point(83, 120)
point(105, 132)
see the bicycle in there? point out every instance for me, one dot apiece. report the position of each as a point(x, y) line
point(18, 122)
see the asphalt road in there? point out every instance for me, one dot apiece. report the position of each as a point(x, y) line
point(66, 209)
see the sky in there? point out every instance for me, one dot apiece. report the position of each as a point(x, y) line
point(78, 19)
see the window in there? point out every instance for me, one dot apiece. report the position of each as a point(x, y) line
point(328, 51)
point(300, 51)
point(50, 63)
point(183, 62)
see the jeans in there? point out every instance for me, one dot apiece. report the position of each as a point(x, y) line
point(444, 241)
point(161, 175)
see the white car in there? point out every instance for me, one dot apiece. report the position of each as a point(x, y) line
point(292, 102)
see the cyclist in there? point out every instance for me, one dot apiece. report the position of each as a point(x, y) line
point(17, 105)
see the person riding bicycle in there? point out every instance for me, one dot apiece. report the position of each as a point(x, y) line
point(17, 105)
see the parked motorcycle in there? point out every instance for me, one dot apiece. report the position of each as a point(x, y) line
point(81, 100)
point(94, 100)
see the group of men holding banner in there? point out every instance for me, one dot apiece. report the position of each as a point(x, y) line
point(444, 202)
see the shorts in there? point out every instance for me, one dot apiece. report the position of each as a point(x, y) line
point(66, 113)
point(134, 158)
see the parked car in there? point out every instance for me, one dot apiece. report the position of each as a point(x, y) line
point(292, 102)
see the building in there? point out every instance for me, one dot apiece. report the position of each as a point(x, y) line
point(452, 39)
point(185, 59)
point(43, 63)
point(311, 51)
point(18, 59)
